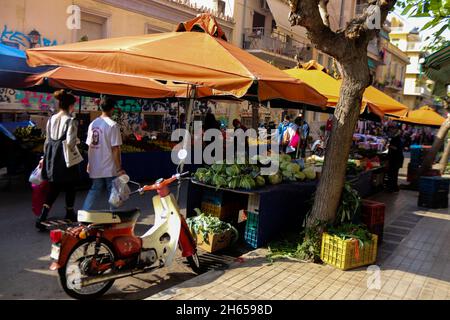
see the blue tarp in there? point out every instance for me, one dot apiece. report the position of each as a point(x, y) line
point(14, 68)
point(8, 128)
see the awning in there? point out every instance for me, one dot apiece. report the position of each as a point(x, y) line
point(280, 12)
point(423, 116)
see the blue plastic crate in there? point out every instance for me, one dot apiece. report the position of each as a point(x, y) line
point(254, 235)
point(436, 200)
point(431, 185)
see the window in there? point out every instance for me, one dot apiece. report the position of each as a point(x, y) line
point(93, 27)
point(259, 21)
point(320, 58)
point(221, 7)
point(330, 65)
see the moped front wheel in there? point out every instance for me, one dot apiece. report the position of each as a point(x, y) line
point(78, 266)
point(194, 263)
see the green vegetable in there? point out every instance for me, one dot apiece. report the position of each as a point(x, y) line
point(275, 178)
point(233, 170)
point(206, 224)
point(260, 181)
point(293, 167)
point(300, 176)
point(309, 173)
point(234, 182)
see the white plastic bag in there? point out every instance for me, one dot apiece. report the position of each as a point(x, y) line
point(36, 176)
point(120, 192)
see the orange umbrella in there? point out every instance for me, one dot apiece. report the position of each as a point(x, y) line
point(374, 100)
point(191, 57)
point(423, 116)
point(101, 82)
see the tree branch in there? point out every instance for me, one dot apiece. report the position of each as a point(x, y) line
point(313, 15)
point(358, 26)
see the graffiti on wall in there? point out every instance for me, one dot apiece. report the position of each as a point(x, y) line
point(44, 101)
point(21, 40)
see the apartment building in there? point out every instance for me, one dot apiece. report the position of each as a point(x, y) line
point(417, 88)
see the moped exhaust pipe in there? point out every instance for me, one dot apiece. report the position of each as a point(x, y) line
point(112, 276)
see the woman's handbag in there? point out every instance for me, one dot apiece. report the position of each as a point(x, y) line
point(71, 155)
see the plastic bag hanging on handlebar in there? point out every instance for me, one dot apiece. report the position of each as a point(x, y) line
point(120, 192)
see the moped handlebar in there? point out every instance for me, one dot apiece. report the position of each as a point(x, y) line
point(162, 183)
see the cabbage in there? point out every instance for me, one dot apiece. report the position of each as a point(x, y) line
point(260, 181)
point(275, 178)
point(293, 167)
point(300, 176)
point(233, 170)
point(283, 165)
point(247, 182)
point(309, 173)
point(285, 158)
point(234, 182)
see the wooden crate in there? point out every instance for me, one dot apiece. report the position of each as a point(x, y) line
point(215, 243)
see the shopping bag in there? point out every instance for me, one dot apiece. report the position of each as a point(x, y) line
point(120, 191)
point(71, 155)
point(36, 176)
point(38, 195)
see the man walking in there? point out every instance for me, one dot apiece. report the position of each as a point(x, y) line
point(304, 129)
point(104, 141)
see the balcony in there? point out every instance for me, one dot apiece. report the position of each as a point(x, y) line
point(275, 47)
point(414, 46)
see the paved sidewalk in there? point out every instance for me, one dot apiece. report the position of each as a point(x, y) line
point(414, 263)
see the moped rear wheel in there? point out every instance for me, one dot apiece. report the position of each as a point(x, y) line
point(77, 267)
point(194, 263)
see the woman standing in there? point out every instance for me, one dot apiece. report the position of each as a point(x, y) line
point(61, 126)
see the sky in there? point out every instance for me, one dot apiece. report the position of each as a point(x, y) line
point(420, 22)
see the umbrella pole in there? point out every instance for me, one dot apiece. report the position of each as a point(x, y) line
point(192, 91)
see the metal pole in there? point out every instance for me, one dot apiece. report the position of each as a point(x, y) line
point(192, 92)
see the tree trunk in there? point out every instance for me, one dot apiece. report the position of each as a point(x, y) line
point(355, 79)
point(444, 160)
point(437, 144)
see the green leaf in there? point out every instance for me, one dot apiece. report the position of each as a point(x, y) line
point(407, 9)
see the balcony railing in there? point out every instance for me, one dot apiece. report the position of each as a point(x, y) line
point(414, 46)
point(275, 42)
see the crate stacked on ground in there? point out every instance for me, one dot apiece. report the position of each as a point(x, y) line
point(373, 217)
point(418, 153)
point(433, 192)
point(347, 254)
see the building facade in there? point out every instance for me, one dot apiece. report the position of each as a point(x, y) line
point(417, 88)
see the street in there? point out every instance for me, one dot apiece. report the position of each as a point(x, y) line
point(24, 252)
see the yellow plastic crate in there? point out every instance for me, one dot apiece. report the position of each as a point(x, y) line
point(342, 254)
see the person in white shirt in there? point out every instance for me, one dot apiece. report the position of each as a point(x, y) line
point(61, 126)
point(104, 140)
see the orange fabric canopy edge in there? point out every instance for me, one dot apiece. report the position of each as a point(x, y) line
point(189, 57)
point(423, 116)
point(374, 100)
point(101, 82)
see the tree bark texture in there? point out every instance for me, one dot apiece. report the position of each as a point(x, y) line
point(349, 48)
point(355, 80)
point(437, 144)
point(444, 159)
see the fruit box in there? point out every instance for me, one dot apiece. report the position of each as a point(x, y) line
point(216, 241)
point(346, 254)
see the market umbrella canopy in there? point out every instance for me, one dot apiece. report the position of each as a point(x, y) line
point(100, 82)
point(423, 116)
point(203, 23)
point(14, 68)
point(191, 57)
point(374, 100)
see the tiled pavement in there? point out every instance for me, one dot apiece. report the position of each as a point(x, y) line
point(414, 263)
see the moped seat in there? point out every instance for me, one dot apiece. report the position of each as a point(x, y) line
point(108, 216)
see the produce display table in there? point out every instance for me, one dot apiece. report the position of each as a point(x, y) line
point(279, 207)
